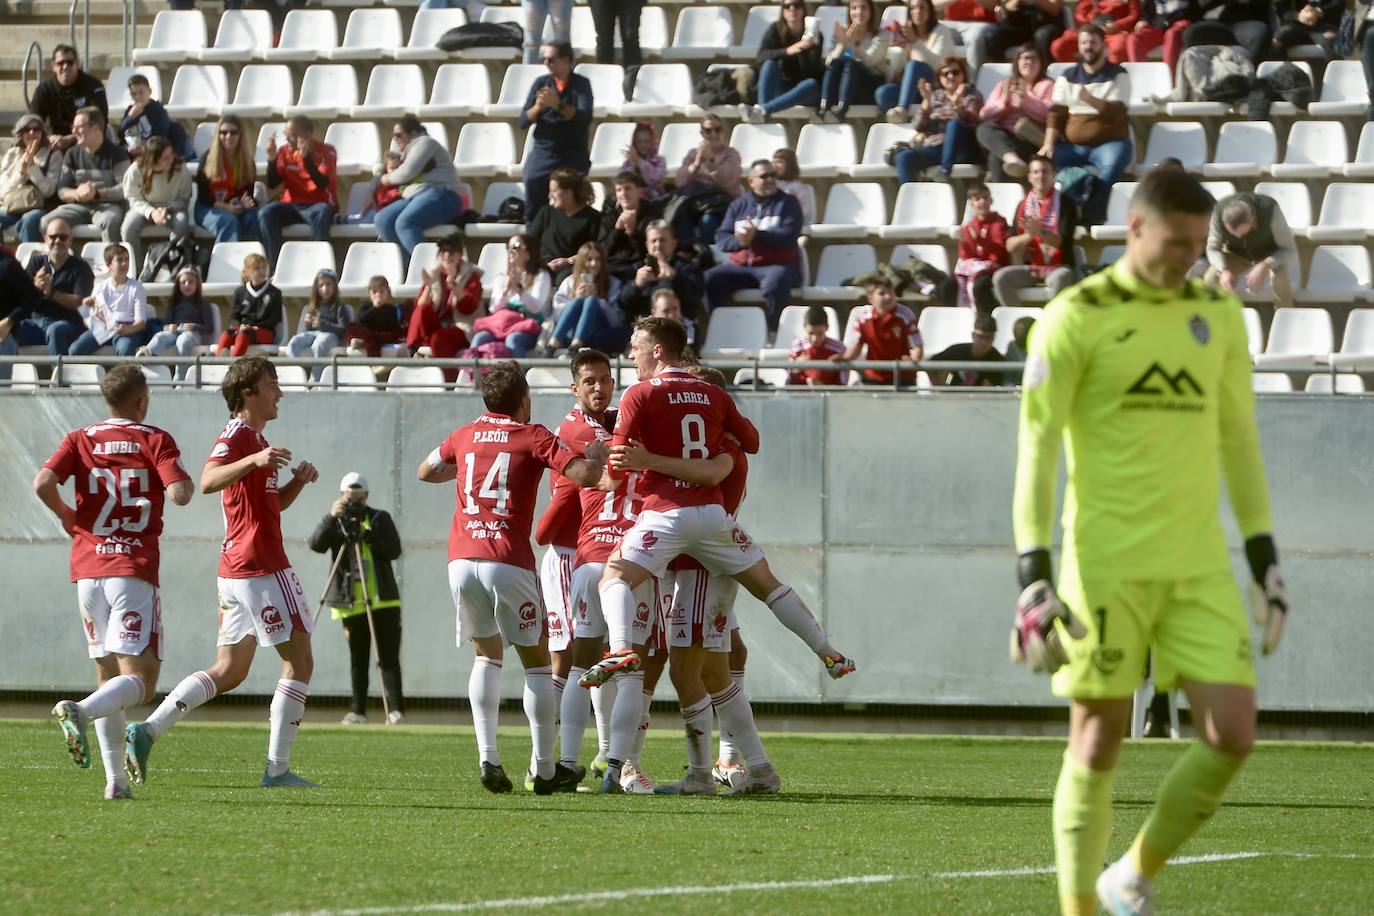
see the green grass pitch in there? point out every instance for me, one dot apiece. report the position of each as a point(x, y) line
point(910, 824)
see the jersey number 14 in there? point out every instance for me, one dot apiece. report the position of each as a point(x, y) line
point(493, 486)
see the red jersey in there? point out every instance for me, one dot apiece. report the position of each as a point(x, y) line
point(679, 415)
point(802, 349)
point(968, 11)
point(890, 336)
point(122, 470)
point(252, 509)
point(562, 519)
point(301, 188)
point(606, 516)
point(499, 461)
point(732, 494)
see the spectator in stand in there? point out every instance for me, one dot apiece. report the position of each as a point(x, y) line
point(1250, 246)
point(63, 281)
point(559, 15)
point(816, 343)
point(1044, 223)
point(146, 118)
point(642, 158)
point(59, 97)
point(18, 298)
point(1016, 350)
point(856, 65)
point(759, 235)
point(158, 189)
point(188, 324)
point(1117, 20)
point(1162, 22)
point(925, 43)
point(1364, 40)
point(789, 182)
point(790, 65)
point(1087, 123)
point(883, 329)
point(709, 175)
point(1020, 21)
point(521, 299)
point(1234, 22)
point(118, 310)
point(945, 125)
point(428, 183)
point(973, 20)
point(380, 322)
point(1013, 117)
point(977, 350)
point(254, 311)
point(568, 223)
point(91, 187)
point(606, 15)
point(29, 175)
point(450, 299)
point(559, 108)
point(324, 321)
point(623, 224)
point(225, 205)
point(308, 171)
point(585, 303)
point(666, 304)
point(663, 268)
point(1302, 23)
point(982, 250)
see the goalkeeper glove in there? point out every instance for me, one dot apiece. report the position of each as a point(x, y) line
point(1268, 596)
point(1034, 638)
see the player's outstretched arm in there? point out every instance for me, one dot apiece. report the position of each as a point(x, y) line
point(301, 475)
point(46, 484)
point(215, 476)
point(706, 472)
point(434, 469)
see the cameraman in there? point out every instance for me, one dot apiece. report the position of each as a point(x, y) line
point(351, 520)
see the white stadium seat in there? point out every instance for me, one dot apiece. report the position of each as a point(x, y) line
point(428, 27)
point(423, 258)
point(1338, 273)
point(1338, 384)
point(880, 138)
point(935, 255)
point(792, 324)
point(1245, 149)
point(735, 330)
point(293, 378)
point(200, 142)
point(306, 35)
point(942, 326)
point(366, 260)
point(369, 35)
point(263, 90)
point(776, 377)
point(1363, 164)
point(357, 145)
point(660, 90)
point(350, 377)
point(117, 85)
point(177, 36)
point(756, 141)
point(297, 265)
point(416, 378)
point(924, 210)
point(837, 264)
point(608, 148)
point(266, 132)
point(1006, 317)
point(1346, 213)
point(1254, 331)
point(496, 192)
point(515, 88)
point(676, 141)
point(392, 90)
point(853, 210)
point(1344, 91)
point(989, 75)
point(93, 253)
point(497, 14)
point(326, 90)
point(608, 87)
point(1183, 140)
point(758, 21)
point(826, 17)
point(82, 377)
point(1315, 149)
point(1357, 344)
point(1149, 80)
point(1299, 339)
point(484, 148)
point(1006, 197)
point(226, 266)
point(826, 150)
point(702, 32)
point(1118, 205)
point(243, 35)
point(459, 90)
point(1293, 199)
point(492, 262)
point(198, 91)
point(206, 376)
point(1271, 383)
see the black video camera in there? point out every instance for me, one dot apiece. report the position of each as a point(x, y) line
point(355, 513)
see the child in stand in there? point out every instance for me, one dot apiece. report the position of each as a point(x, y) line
point(665, 304)
point(380, 323)
point(982, 251)
point(383, 194)
point(323, 321)
point(119, 310)
point(816, 343)
point(642, 156)
point(189, 323)
point(254, 311)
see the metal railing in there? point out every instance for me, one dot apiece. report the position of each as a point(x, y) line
point(37, 69)
point(128, 23)
point(86, 29)
point(128, 26)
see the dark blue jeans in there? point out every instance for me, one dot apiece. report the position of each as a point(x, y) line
point(908, 92)
point(848, 82)
point(56, 333)
point(777, 93)
point(1367, 59)
point(276, 215)
point(518, 343)
point(580, 321)
point(125, 345)
point(27, 223)
point(959, 146)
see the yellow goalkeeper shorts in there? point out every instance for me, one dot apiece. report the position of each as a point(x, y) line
point(1195, 628)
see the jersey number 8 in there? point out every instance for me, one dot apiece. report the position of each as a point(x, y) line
point(694, 437)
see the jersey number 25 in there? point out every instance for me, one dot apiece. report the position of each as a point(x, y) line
point(120, 494)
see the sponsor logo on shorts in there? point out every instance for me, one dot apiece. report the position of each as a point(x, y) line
point(1106, 659)
point(641, 613)
point(132, 621)
point(719, 625)
point(271, 620)
point(742, 539)
point(90, 629)
point(555, 621)
point(648, 541)
point(581, 609)
point(527, 613)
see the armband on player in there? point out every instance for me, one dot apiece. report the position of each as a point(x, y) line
point(1034, 638)
point(1268, 595)
point(437, 462)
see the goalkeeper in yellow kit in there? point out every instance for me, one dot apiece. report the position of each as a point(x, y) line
point(1145, 378)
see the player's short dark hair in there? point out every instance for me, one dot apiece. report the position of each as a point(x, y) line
point(587, 357)
point(709, 374)
point(243, 376)
point(1167, 191)
point(503, 387)
point(816, 316)
point(122, 384)
point(666, 332)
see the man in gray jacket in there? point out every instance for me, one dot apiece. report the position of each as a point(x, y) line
point(1250, 246)
point(91, 188)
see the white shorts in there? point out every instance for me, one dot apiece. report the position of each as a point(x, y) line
point(707, 533)
point(271, 607)
point(493, 598)
point(121, 615)
point(702, 611)
point(555, 577)
point(589, 621)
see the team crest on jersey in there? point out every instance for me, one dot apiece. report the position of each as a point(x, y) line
point(1201, 332)
point(132, 621)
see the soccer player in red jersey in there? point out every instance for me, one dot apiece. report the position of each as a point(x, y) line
point(679, 416)
point(122, 468)
point(497, 461)
point(259, 594)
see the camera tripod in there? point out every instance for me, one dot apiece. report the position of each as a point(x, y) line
point(353, 546)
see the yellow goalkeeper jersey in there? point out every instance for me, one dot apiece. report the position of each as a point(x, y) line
point(1150, 392)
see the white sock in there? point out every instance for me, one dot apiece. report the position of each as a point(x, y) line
point(194, 690)
point(541, 709)
point(484, 695)
point(573, 710)
point(115, 695)
point(728, 752)
point(603, 701)
point(696, 722)
point(792, 613)
point(618, 607)
point(737, 718)
point(109, 730)
point(643, 729)
point(287, 710)
point(629, 709)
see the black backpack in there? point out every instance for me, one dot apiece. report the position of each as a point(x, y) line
point(482, 35)
point(165, 259)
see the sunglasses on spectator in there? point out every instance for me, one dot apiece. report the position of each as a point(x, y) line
point(58, 237)
point(515, 246)
point(37, 128)
point(228, 132)
point(547, 60)
point(951, 72)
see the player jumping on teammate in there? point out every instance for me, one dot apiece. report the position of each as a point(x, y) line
point(1145, 376)
point(123, 468)
point(261, 600)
